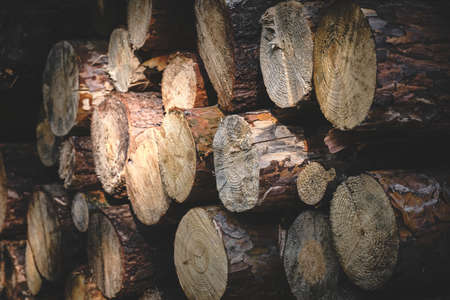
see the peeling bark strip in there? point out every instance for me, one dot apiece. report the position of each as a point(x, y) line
point(393, 226)
point(116, 124)
point(80, 285)
point(47, 143)
point(218, 256)
point(408, 81)
point(74, 81)
point(76, 164)
point(228, 35)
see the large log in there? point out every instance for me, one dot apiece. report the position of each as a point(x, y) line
point(47, 143)
point(81, 286)
point(391, 54)
point(392, 229)
point(182, 84)
point(220, 256)
point(76, 164)
point(228, 42)
point(49, 219)
point(186, 153)
point(74, 81)
point(116, 124)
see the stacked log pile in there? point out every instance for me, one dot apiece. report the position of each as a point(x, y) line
point(165, 192)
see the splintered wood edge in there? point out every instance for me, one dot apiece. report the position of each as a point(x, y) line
point(286, 54)
point(105, 255)
point(365, 231)
point(139, 16)
point(80, 212)
point(66, 162)
point(46, 144)
point(3, 192)
point(344, 65)
point(34, 280)
point(200, 258)
point(312, 182)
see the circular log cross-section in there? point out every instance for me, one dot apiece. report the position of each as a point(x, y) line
point(257, 161)
point(219, 257)
point(310, 261)
point(74, 81)
point(47, 144)
point(139, 16)
point(365, 231)
point(344, 65)
point(312, 182)
point(185, 155)
point(34, 279)
point(80, 212)
point(81, 286)
point(182, 84)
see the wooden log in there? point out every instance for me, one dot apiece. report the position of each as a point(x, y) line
point(116, 124)
point(49, 219)
point(76, 164)
point(396, 229)
point(16, 286)
point(2, 267)
point(182, 84)
point(220, 256)
point(228, 41)
point(393, 55)
point(106, 15)
point(80, 285)
point(186, 153)
point(47, 143)
point(286, 50)
point(74, 81)
point(34, 279)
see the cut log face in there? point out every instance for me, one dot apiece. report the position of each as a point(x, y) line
point(74, 80)
point(47, 144)
point(139, 17)
point(345, 66)
point(34, 279)
point(310, 261)
point(365, 231)
point(219, 257)
point(80, 212)
point(257, 161)
point(81, 286)
point(182, 83)
point(312, 182)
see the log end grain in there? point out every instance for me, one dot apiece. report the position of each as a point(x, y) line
point(47, 144)
point(344, 65)
point(139, 16)
point(312, 182)
point(80, 285)
point(80, 212)
point(34, 279)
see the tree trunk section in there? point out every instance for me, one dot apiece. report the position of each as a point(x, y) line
point(116, 125)
point(218, 256)
point(391, 54)
point(76, 164)
point(80, 285)
point(182, 83)
point(47, 143)
point(34, 279)
point(74, 81)
point(49, 219)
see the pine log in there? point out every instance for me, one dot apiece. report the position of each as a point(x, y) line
point(16, 286)
point(74, 81)
point(82, 208)
point(182, 84)
point(81, 286)
point(34, 279)
point(228, 35)
point(186, 153)
point(46, 142)
point(107, 15)
point(116, 124)
point(393, 226)
point(218, 256)
point(391, 54)
point(286, 50)
point(53, 238)
point(76, 164)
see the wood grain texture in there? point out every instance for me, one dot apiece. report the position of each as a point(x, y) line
point(47, 143)
point(80, 285)
point(34, 278)
point(15, 276)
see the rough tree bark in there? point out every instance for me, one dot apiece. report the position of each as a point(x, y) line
point(74, 81)
point(220, 256)
point(392, 54)
point(80, 285)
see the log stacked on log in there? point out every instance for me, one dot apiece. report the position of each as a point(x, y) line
point(81, 285)
point(47, 143)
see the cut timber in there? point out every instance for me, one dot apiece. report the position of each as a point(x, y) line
point(52, 236)
point(182, 83)
point(121, 260)
point(15, 276)
point(2, 267)
point(107, 15)
point(186, 153)
point(116, 124)
point(76, 164)
point(286, 50)
point(34, 279)
point(229, 48)
point(312, 182)
point(47, 143)
point(80, 285)
point(310, 261)
point(408, 78)
point(217, 256)
point(74, 81)
point(256, 161)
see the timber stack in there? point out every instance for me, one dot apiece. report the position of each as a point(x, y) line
point(190, 164)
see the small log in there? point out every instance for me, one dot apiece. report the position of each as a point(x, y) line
point(74, 81)
point(47, 143)
point(76, 164)
point(81, 210)
point(186, 153)
point(116, 124)
point(313, 181)
point(2, 267)
point(229, 48)
point(182, 83)
point(81, 286)
point(16, 286)
point(107, 15)
point(49, 219)
point(34, 279)
point(218, 256)
point(286, 50)
point(393, 55)
point(392, 229)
